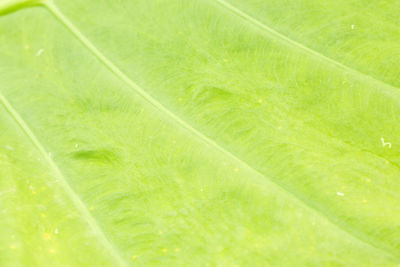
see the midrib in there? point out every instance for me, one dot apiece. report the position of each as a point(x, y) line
point(302, 200)
point(351, 232)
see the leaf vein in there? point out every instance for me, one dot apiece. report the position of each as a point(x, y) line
point(273, 33)
point(300, 199)
point(77, 201)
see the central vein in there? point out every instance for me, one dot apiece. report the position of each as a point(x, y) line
point(302, 200)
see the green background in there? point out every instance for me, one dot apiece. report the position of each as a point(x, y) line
point(199, 133)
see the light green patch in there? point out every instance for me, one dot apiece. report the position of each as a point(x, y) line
point(197, 133)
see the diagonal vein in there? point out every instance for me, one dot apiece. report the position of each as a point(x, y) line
point(299, 198)
point(273, 33)
point(77, 201)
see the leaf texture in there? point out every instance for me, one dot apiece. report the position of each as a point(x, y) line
point(199, 133)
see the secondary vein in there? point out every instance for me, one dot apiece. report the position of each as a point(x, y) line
point(302, 200)
point(77, 201)
point(293, 43)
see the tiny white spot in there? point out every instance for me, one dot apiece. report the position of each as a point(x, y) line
point(56, 231)
point(352, 26)
point(39, 52)
point(385, 143)
point(339, 194)
point(50, 154)
point(76, 145)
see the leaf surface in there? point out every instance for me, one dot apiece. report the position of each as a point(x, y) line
point(195, 133)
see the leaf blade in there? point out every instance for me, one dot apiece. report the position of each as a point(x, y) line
point(104, 111)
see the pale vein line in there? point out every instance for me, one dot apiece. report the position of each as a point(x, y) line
point(279, 35)
point(360, 236)
point(64, 184)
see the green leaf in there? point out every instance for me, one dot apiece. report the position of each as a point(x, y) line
point(199, 133)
